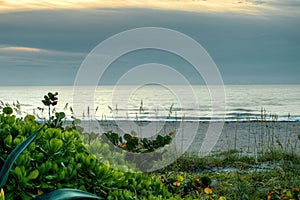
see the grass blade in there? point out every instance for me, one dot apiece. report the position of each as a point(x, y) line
point(64, 194)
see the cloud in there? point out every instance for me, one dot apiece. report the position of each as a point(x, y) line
point(55, 42)
point(33, 66)
point(244, 6)
point(249, 7)
point(286, 7)
point(19, 49)
point(22, 50)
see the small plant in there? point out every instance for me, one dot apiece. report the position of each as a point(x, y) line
point(133, 144)
point(54, 121)
point(50, 100)
point(8, 109)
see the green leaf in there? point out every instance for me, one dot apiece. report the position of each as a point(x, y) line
point(32, 147)
point(29, 118)
point(51, 177)
point(55, 144)
point(64, 194)
point(62, 115)
point(47, 186)
point(46, 101)
point(62, 175)
point(50, 95)
point(33, 175)
point(16, 141)
point(7, 110)
point(13, 156)
point(8, 140)
point(127, 137)
point(19, 173)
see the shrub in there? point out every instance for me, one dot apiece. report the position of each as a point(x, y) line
point(58, 159)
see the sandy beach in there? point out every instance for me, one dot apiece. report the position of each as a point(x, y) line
point(245, 136)
point(253, 137)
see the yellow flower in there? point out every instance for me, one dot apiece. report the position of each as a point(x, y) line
point(2, 197)
point(284, 191)
point(269, 197)
point(286, 194)
point(208, 191)
point(222, 198)
point(176, 183)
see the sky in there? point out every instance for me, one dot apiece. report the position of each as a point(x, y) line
point(251, 41)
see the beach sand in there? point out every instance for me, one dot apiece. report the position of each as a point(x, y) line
point(249, 137)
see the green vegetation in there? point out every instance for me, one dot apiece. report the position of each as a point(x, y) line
point(21, 173)
point(58, 159)
point(234, 177)
point(59, 162)
point(137, 148)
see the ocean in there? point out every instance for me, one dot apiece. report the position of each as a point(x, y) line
point(156, 103)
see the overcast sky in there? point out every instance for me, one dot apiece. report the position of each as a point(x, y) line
point(251, 41)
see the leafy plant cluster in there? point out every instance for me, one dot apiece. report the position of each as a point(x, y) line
point(57, 158)
point(11, 159)
point(105, 155)
point(136, 149)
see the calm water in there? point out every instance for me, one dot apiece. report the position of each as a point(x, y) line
point(155, 102)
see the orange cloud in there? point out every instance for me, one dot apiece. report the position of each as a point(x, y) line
point(17, 48)
point(244, 6)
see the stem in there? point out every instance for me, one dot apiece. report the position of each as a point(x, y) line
point(49, 110)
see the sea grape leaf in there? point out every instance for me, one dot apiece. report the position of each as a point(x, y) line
point(7, 110)
point(13, 156)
